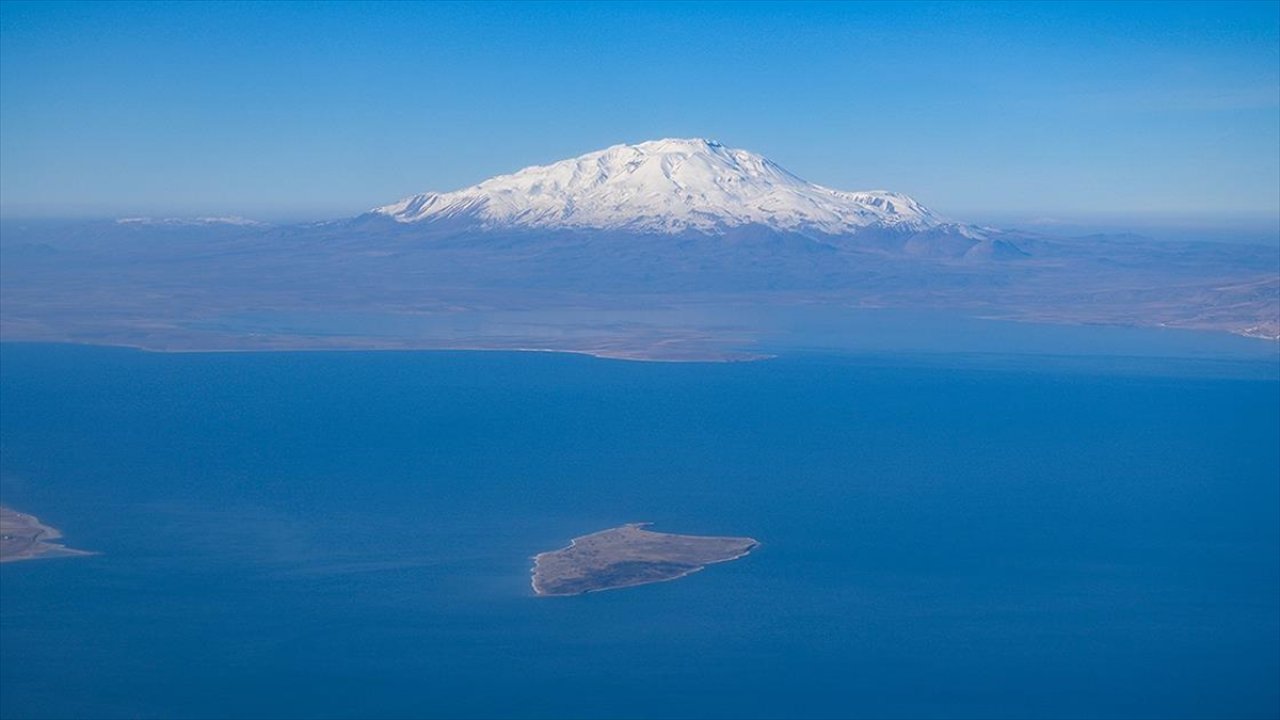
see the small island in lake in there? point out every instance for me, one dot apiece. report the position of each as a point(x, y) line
point(629, 555)
point(22, 537)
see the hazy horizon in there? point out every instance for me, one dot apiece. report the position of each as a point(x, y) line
point(1068, 111)
point(1256, 230)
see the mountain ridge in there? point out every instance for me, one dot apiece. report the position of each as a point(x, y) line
point(669, 186)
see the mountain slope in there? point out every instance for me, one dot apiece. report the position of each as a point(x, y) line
point(669, 186)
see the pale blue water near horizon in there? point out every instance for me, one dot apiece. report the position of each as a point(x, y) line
point(348, 535)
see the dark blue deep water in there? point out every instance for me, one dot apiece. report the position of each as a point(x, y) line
point(348, 535)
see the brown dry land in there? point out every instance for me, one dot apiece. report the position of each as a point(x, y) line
point(629, 555)
point(385, 286)
point(22, 537)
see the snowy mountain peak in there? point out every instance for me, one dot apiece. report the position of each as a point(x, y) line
point(668, 185)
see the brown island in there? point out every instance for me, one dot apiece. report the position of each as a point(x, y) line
point(22, 537)
point(629, 555)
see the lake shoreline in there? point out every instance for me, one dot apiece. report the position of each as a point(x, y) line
point(24, 537)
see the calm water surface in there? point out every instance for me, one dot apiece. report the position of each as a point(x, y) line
point(348, 535)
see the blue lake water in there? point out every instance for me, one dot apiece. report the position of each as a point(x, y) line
point(348, 535)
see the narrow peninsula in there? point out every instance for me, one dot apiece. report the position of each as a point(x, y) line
point(23, 537)
point(629, 555)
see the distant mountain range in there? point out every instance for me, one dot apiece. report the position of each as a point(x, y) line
point(673, 249)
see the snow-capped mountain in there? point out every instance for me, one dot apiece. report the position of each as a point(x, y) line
point(668, 186)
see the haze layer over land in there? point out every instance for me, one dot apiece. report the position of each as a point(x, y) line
point(671, 249)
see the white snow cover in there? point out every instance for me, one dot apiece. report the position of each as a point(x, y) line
point(665, 186)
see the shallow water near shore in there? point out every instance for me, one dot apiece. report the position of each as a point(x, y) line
point(350, 535)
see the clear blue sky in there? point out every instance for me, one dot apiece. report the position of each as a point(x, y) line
point(323, 110)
